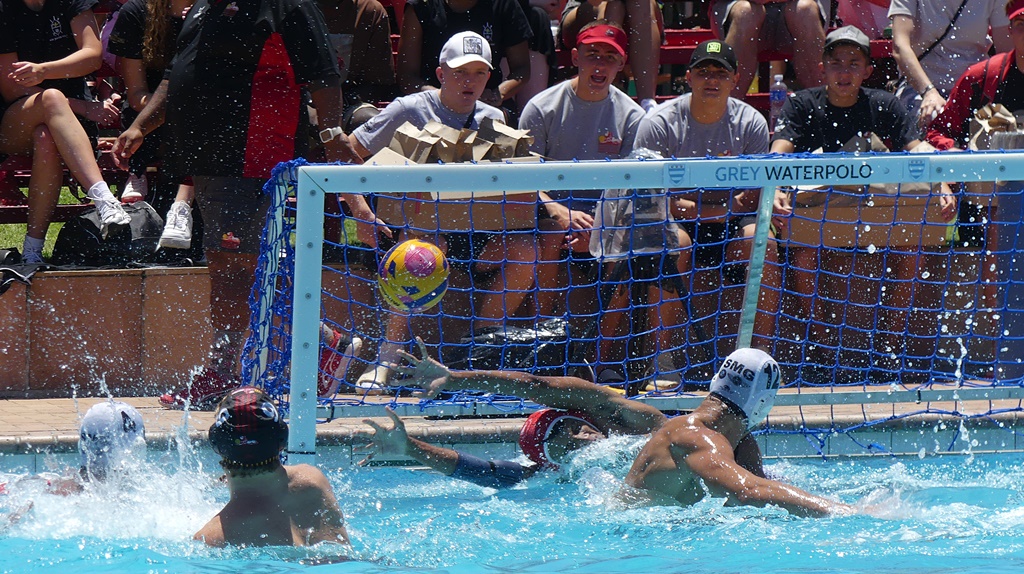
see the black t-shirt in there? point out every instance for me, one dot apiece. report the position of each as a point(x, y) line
point(43, 36)
point(129, 35)
point(235, 104)
point(501, 22)
point(810, 122)
point(1011, 90)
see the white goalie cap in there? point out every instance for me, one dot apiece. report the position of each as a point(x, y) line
point(748, 380)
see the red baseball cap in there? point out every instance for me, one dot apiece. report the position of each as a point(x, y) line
point(1014, 8)
point(605, 34)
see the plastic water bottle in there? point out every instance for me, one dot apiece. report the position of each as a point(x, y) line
point(776, 97)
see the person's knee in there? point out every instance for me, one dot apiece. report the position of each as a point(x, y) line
point(803, 18)
point(53, 101)
point(746, 18)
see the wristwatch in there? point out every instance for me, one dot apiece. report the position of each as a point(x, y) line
point(330, 133)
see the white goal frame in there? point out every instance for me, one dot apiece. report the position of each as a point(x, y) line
point(765, 172)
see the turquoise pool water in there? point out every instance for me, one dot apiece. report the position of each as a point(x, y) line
point(954, 513)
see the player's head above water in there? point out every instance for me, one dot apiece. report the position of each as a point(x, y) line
point(248, 430)
point(111, 434)
point(747, 382)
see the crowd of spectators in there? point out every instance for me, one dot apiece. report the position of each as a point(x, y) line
point(242, 85)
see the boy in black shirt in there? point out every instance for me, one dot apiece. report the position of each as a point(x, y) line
point(829, 116)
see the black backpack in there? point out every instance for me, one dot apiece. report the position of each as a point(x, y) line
point(80, 243)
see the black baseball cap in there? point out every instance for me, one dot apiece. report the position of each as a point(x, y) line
point(850, 35)
point(715, 51)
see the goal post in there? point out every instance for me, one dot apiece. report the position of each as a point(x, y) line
point(767, 173)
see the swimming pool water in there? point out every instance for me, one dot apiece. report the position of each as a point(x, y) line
point(955, 513)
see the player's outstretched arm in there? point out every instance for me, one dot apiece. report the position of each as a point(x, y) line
point(612, 409)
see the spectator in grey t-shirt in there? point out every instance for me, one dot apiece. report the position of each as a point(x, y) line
point(504, 262)
point(719, 222)
point(583, 118)
point(457, 104)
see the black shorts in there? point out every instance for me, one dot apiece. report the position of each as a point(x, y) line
point(234, 211)
point(466, 247)
point(710, 241)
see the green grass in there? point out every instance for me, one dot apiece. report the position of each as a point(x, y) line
point(12, 235)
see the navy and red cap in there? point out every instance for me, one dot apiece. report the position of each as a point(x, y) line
point(538, 427)
point(247, 428)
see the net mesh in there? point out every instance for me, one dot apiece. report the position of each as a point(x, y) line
point(864, 288)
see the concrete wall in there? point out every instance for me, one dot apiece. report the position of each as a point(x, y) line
point(129, 332)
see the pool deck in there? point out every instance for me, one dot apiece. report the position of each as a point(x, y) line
point(35, 426)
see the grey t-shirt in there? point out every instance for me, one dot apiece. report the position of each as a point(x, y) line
point(672, 131)
point(967, 43)
point(565, 127)
point(418, 109)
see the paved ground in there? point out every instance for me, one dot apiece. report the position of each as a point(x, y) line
point(36, 425)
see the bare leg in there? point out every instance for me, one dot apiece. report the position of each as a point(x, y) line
point(550, 284)
point(45, 183)
point(745, 21)
point(514, 258)
point(50, 108)
point(644, 45)
point(803, 18)
point(771, 281)
point(538, 80)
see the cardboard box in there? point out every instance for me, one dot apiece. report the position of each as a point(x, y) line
point(409, 142)
point(506, 142)
point(879, 220)
point(462, 211)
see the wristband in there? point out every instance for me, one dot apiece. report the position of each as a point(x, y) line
point(927, 89)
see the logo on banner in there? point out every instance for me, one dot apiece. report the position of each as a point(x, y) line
point(916, 168)
point(676, 174)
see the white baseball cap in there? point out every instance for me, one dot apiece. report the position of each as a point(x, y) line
point(466, 47)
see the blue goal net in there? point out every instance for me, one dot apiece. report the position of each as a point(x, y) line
point(893, 274)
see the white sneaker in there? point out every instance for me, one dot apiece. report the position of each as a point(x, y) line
point(667, 378)
point(178, 227)
point(111, 215)
point(135, 189)
point(374, 379)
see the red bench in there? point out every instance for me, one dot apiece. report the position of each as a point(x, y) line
point(16, 171)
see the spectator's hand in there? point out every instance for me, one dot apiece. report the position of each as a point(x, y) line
point(577, 223)
point(340, 149)
point(744, 202)
point(105, 113)
point(368, 225)
point(126, 145)
point(932, 104)
point(424, 371)
point(947, 203)
point(782, 209)
point(492, 97)
point(386, 441)
point(27, 74)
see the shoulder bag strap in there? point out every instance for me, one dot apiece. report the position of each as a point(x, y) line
point(945, 33)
